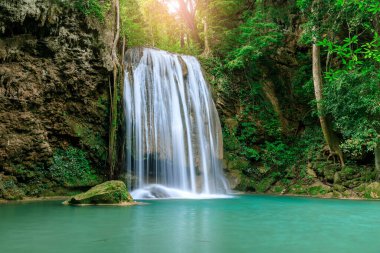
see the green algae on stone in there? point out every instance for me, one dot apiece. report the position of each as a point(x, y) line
point(110, 192)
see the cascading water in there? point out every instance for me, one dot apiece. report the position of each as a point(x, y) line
point(174, 142)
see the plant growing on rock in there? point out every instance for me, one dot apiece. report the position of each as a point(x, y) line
point(72, 169)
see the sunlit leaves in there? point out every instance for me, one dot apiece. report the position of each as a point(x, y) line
point(132, 23)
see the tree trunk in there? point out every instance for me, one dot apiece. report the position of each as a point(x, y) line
point(182, 38)
point(207, 50)
point(188, 40)
point(187, 12)
point(113, 97)
point(377, 160)
point(330, 137)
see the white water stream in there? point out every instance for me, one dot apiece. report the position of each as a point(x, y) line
point(174, 142)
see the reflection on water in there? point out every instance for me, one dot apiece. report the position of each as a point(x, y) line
point(242, 224)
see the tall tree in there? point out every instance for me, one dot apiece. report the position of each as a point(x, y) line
point(187, 10)
point(206, 49)
point(330, 137)
point(316, 9)
point(112, 146)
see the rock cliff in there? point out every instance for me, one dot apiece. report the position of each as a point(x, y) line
point(54, 82)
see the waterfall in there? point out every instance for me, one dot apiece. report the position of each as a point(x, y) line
point(174, 144)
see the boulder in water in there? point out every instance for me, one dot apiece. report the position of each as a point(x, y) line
point(110, 192)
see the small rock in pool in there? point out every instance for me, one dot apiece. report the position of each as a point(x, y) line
point(110, 192)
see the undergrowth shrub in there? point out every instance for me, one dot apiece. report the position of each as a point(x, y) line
point(71, 168)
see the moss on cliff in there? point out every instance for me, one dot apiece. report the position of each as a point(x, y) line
point(9, 189)
point(71, 168)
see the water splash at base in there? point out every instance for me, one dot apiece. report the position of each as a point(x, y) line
point(157, 191)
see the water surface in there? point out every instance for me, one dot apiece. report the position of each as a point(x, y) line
point(259, 224)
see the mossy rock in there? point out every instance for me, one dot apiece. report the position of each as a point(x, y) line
point(311, 173)
point(264, 184)
point(318, 189)
point(278, 188)
point(237, 164)
point(337, 178)
point(353, 183)
point(110, 192)
point(339, 188)
point(329, 172)
point(351, 194)
point(246, 184)
point(349, 172)
point(372, 191)
point(8, 188)
point(234, 178)
point(337, 194)
point(298, 189)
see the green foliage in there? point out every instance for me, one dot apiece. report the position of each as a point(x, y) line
point(132, 23)
point(90, 139)
point(355, 108)
point(257, 37)
point(345, 28)
point(351, 91)
point(71, 168)
point(218, 76)
point(149, 23)
point(371, 6)
point(9, 189)
point(352, 53)
point(93, 8)
point(327, 18)
point(102, 103)
point(254, 124)
point(316, 190)
point(278, 154)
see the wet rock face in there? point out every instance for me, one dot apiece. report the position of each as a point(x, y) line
point(54, 70)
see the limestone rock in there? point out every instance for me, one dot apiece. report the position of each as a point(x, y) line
point(372, 190)
point(110, 192)
point(319, 188)
point(322, 185)
point(337, 178)
point(311, 172)
point(54, 71)
point(233, 178)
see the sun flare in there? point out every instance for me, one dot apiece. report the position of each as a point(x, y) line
point(172, 5)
